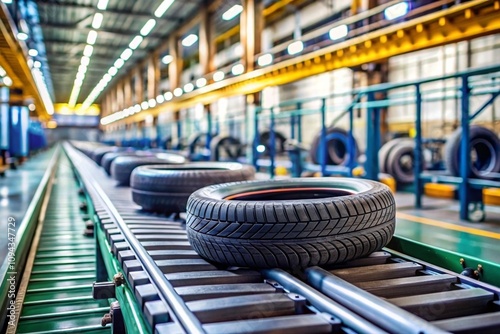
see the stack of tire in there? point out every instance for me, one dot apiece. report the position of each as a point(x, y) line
point(166, 188)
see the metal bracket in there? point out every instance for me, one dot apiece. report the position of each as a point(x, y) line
point(469, 272)
point(300, 302)
point(279, 288)
point(106, 290)
point(115, 318)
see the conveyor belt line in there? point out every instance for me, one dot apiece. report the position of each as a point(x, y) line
point(189, 321)
point(222, 299)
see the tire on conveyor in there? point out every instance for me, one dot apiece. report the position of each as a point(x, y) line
point(108, 158)
point(486, 146)
point(122, 167)
point(167, 188)
point(336, 148)
point(99, 152)
point(292, 223)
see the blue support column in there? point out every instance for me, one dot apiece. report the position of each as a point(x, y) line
point(4, 118)
point(464, 151)
point(352, 148)
point(373, 140)
point(179, 135)
point(209, 127)
point(272, 145)
point(256, 141)
point(418, 148)
point(18, 134)
point(299, 122)
point(322, 143)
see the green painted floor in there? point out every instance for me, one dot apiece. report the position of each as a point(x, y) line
point(438, 224)
point(59, 294)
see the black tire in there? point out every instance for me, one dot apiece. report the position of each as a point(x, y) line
point(99, 152)
point(401, 161)
point(122, 167)
point(166, 188)
point(336, 149)
point(385, 150)
point(294, 223)
point(279, 142)
point(108, 158)
point(486, 146)
point(225, 147)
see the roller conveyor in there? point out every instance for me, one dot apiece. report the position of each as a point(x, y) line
point(174, 290)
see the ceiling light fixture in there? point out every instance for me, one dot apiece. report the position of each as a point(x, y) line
point(119, 63)
point(97, 21)
point(22, 36)
point(144, 105)
point(112, 71)
point(295, 47)
point(37, 64)
point(189, 40)
point(91, 37)
point(396, 11)
point(148, 26)
point(85, 61)
point(178, 92)
point(201, 82)
point(338, 32)
point(168, 96)
point(238, 69)
point(167, 59)
point(189, 87)
point(126, 54)
point(232, 12)
point(218, 76)
point(33, 52)
point(136, 42)
point(87, 52)
point(265, 59)
point(160, 99)
point(163, 7)
point(102, 4)
point(152, 103)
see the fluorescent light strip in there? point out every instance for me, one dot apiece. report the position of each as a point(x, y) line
point(91, 37)
point(126, 54)
point(148, 26)
point(167, 59)
point(136, 42)
point(189, 40)
point(163, 7)
point(232, 12)
point(97, 21)
point(102, 4)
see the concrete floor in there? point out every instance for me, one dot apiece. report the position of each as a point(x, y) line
point(16, 192)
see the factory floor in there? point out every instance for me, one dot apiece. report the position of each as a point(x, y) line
point(438, 224)
point(16, 192)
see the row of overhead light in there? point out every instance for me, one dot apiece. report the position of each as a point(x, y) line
point(127, 53)
point(35, 67)
point(295, 47)
point(87, 53)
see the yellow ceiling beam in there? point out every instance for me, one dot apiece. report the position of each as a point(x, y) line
point(462, 22)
